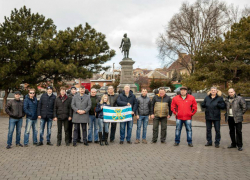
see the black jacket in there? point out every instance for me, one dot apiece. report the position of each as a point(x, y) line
point(46, 106)
point(213, 107)
point(14, 109)
point(99, 110)
point(30, 107)
point(94, 101)
point(123, 100)
point(113, 100)
point(144, 106)
point(62, 108)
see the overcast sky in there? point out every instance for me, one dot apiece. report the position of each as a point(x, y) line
point(142, 20)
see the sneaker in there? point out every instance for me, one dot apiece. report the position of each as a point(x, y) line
point(26, 145)
point(144, 141)
point(40, 144)
point(240, 149)
point(176, 144)
point(137, 141)
point(121, 142)
point(49, 144)
point(8, 146)
point(20, 145)
point(190, 145)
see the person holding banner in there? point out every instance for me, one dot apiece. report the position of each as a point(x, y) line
point(161, 111)
point(127, 98)
point(99, 109)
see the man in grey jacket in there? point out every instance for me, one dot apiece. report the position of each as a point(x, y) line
point(143, 112)
point(81, 105)
point(236, 107)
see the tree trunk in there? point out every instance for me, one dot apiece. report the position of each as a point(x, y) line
point(7, 91)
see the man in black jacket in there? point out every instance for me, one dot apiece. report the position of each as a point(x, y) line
point(127, 98)
point(62, 114)
point(113, 103)
point(14, 109)
point(213, 104)
point(45, 113)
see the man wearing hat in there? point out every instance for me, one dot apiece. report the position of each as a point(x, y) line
point(14, 109)
point(184, 106)
point(45, 113)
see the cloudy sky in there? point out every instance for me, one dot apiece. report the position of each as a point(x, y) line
point(142, 20)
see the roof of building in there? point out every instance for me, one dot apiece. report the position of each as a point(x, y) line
point(156, 75)
point(177, 65)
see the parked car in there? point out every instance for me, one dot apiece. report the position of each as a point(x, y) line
point(167, 89)
point(103, 89)
point(177, 90)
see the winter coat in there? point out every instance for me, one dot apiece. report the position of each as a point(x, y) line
point(99, 110)
point(123, 100)
point(62, 108)
point(94, 101)
point(238, 107)
point(144, 106)
point(81, 104)
point(14, 109)
point(161, 106)
point(30, 107)
point(113, 99)
point(213, 106)
point(46, 106)
point(184, 109)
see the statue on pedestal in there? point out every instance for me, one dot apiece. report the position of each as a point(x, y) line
point(125, 45)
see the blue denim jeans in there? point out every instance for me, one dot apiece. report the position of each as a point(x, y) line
point(42, 126)
point(30, 123)
point(123, 125)
point(144, 120)
point(93, 123)
point(188, 125)
point(12, 123)
point(101, 124)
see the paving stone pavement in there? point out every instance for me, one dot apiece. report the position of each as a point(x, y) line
point(127, 161)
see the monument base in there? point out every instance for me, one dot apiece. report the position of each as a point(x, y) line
point(127, 74)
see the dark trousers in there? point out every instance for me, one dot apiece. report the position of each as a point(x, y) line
point(77, 130)
point(112, 133)
point(156, 121)
point(238, 127)
point(209, 131)
point(70, 131)
point(65, 123)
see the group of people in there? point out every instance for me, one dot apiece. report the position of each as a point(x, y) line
point(77, 110)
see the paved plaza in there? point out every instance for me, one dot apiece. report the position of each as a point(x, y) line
point(150, 161)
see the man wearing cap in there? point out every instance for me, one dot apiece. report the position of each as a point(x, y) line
point(45, 113)
point(72, 94)
point(14, 109)
point(184, 106)
point(81, 105)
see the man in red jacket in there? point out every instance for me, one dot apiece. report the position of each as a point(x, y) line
point(184, 106)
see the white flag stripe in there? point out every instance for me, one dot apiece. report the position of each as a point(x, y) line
point(124, 120)
point(113, 114)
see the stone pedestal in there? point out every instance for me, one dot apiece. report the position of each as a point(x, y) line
point(127, 74)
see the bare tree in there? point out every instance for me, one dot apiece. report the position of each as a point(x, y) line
point(188, 30)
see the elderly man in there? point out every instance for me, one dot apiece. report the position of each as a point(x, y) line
point(113, 103)
point(93, 121)
point(184, 106)
point(81, 105)
point(14, 109)
point(161, 111)
point(236, 107)
point(127, 98)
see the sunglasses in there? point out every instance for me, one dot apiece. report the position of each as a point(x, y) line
point(31, 93)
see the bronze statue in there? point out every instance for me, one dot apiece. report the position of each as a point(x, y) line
point(125, 44)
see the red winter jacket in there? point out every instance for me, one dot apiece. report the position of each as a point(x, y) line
point(184, 109)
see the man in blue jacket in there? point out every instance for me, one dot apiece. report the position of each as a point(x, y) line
point(127, 98)
point(30, 109)
point(45, 113)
